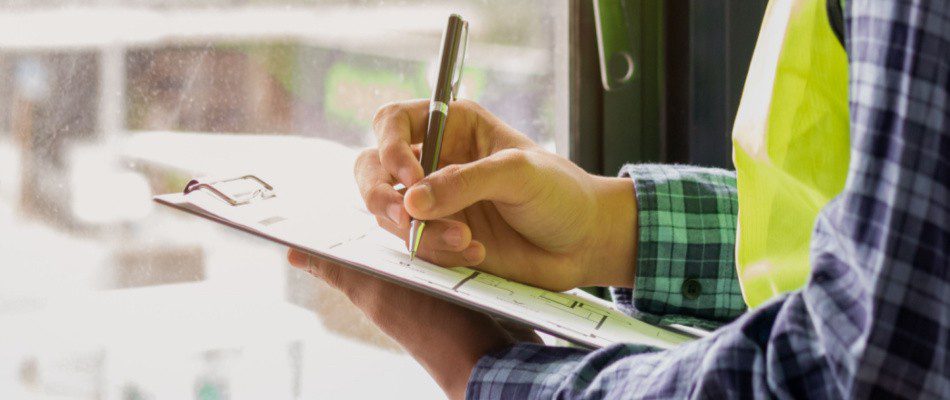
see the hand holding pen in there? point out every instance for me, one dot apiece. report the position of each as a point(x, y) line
point(501, 203)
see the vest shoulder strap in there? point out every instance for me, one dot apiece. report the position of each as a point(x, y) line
point(836, 18)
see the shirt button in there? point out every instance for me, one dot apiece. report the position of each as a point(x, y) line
point(691, 289)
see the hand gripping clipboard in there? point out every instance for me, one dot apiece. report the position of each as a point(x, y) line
point(249, 204)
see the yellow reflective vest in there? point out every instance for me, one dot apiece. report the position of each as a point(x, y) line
point(790, 145)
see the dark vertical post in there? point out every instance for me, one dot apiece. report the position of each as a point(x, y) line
point(585, 90)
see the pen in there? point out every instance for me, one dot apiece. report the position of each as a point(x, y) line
point(454, 42)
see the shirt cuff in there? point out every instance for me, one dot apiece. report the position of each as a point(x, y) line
point(686, 251)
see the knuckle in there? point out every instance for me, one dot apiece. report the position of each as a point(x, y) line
point(472, 111)
point(521, 167)
point(386, 111)
point(364, 157)
point(516, 158)
point(464, 104)
point(469, 105)
point(388, 148)
point(391, 158)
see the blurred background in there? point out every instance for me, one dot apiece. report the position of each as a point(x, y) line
point(104, 103)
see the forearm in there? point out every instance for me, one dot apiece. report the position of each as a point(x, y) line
point(449, 348)
point(446, 339)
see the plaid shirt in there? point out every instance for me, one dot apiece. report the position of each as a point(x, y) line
point(874, 319)
point(686, 251)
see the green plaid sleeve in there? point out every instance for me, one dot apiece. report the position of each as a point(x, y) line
point(686, 270)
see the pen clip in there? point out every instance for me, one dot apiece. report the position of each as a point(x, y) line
point(459, 62)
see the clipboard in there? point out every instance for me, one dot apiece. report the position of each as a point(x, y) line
point(249, 204)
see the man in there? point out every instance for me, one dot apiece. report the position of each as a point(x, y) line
point(872, 321)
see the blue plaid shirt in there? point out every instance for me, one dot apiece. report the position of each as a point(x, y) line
point(874, 319)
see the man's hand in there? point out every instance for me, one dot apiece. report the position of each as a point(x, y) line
point(499, 202)
point(449, 351)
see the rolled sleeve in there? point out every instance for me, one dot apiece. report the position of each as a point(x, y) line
point(686, 252)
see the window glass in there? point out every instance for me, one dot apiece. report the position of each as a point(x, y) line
point(105, 103)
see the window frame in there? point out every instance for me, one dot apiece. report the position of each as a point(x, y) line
point(611, 128)
point(675, 110)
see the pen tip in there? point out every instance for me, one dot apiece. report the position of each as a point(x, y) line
point(415, 236)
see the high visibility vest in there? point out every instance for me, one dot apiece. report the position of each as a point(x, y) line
point(790, 145)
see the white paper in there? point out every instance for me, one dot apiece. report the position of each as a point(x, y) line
point(351, 236)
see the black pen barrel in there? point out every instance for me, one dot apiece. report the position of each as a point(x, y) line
point(432, 144)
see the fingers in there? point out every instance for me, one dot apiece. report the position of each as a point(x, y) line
point(397, 126)
point(470, 257)
point(376, 189)
point(332, 274)
point(507, 176)
point(534, 266)
point(361, 289)
point(444, 242)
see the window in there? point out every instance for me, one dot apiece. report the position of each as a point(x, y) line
point(103, 104)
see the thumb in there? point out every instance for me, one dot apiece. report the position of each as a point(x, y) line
point(506, 176)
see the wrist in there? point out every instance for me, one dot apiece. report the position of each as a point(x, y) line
point(461, 351)
point(449, 345)
point(613, 253)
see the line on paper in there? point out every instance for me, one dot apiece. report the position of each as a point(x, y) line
point(462, 282)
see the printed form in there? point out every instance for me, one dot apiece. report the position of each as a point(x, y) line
point(351, 238)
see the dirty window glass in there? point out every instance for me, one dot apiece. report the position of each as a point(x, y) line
point(105, 103)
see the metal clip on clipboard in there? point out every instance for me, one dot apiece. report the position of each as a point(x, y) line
point(262, 191)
